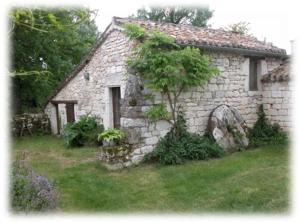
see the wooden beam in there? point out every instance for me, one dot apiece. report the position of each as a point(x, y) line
point(64, 101)
point(57, 119)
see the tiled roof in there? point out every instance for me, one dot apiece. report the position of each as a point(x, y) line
point(279, 74)
point(186, 35)
point(207, 37)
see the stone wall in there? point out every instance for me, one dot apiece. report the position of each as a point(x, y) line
point(230, 88)
point(30, 123)
point(278, 102)
point(106, 69)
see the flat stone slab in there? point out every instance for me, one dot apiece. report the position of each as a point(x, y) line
point(228, 128)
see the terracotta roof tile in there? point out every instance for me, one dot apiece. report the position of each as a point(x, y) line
point(279, 74)
point(187, 34)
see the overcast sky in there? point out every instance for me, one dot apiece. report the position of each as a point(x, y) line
point(275, 20)
point(267, 19)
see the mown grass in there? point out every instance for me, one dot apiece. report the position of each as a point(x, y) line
point(255, 180)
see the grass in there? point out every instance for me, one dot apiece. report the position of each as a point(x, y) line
point(255, 180)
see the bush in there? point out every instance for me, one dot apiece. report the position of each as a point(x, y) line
point(179, 145)
point(263, 132)
point(168, 151)
point(157, 112)
point(201, 147)
point(83, 132)
point(29, 191)
point(111, 135)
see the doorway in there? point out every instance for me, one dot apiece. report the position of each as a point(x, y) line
point(116, 96)
point(70, 112)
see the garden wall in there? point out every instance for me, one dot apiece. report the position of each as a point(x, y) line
point(30, 123)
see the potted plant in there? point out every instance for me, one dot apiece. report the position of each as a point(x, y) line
point(111, 137)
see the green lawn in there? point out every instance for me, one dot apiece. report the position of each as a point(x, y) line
point(255, 180)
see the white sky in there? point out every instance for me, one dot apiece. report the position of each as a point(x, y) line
point(275, 20)
point(267, 19)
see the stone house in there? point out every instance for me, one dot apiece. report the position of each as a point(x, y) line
point(252, 72)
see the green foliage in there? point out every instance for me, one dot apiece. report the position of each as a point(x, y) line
point(157, 112)
point(241, 182)
point(29, 191)
point(149, 97)
point(179, 145)
point(240, 27)
point(169, 69)
point(177, 14)
point(134, 32)
point(83, 132)
point(111, 135)
point(237, 136)
point(263, 132)
point(46, 46)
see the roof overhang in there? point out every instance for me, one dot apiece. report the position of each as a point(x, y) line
point(240, 51)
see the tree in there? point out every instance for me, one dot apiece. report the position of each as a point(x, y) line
point(240, 27)
point(167, 68)
point(46, 46)
point(177, 14)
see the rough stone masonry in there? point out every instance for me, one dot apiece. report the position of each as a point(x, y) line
point(106, 67)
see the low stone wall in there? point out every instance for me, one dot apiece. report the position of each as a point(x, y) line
point(116, 157)
point(30, 123)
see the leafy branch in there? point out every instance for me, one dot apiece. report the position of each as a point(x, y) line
point(166, 67)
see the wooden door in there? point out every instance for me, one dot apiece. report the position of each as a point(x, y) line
point(116, 96)
point(70, 112)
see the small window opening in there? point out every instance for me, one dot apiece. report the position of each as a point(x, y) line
point(253, 85)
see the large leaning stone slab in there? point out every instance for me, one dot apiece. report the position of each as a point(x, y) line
point(228, 128)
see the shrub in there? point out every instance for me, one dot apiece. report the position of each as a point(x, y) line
point(29, 191)
point(168, 151)
point(201, 147)
point(179, 145)
point(157, 112)
point(83, 132)
point(263, 132)
point(111, 135)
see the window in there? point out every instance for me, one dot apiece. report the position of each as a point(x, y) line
point(253, 75)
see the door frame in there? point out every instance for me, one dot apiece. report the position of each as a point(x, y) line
point(70, 108)
point(56, 103)
point(108, 119)
point(115, 97)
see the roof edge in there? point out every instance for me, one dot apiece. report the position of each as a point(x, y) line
point(247, 51)
point(86, 59)
point(241, 51)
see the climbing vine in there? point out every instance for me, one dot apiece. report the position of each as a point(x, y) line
point(167, 68)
